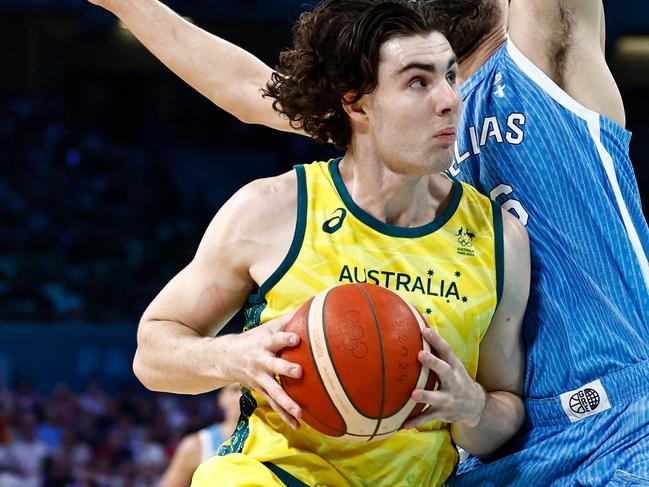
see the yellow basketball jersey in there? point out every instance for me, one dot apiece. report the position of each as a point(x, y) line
point(449, 269)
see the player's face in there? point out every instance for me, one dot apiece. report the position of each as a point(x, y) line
point(414, 110)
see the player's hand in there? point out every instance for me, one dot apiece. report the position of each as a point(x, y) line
point(459, 398)
point(255, 356)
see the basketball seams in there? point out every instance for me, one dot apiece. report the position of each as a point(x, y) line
point(312, 308)
point(341, 409)
point(333, 386)
point(382, 352)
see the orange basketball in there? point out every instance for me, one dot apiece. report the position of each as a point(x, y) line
point(358, 350)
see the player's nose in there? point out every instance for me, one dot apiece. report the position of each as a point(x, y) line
point(447, 100)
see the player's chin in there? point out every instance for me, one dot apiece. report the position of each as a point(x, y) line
point(441, 159)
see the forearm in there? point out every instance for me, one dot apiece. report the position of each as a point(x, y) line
point(171, 357)
point(224, 73)
point(501, 417)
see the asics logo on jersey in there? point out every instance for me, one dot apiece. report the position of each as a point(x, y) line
point(333, 224)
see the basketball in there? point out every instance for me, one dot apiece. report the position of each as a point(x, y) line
point(358, 350)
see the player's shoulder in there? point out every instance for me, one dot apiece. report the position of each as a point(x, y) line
point(271, 189)
point(189, 447)
point(515, 236)
point(263, 205)
point(265, 198)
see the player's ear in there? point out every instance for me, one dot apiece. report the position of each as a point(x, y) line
point(355, 107)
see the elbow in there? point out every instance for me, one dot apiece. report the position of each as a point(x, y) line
point(143, 361)
point(141, 371)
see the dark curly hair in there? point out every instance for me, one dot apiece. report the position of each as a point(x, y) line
point(464, 22)
point(335, 53)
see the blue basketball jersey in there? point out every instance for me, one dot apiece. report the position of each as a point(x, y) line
point(565, 171)
point(210, 439)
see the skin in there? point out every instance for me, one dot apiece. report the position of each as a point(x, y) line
point(564, 38)
point(415, 99)
point(189, 453)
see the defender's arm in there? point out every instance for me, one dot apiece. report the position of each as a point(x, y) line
point(224, 73)
point(564, 39)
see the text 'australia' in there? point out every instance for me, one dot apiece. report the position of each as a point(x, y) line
point(399, 281)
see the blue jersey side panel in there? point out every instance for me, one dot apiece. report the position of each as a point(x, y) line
point(565, 171)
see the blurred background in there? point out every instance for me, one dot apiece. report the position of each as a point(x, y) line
point(110, 170)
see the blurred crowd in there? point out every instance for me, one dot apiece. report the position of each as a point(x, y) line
point(95, 221)
point(90, 230)
point(92, 438)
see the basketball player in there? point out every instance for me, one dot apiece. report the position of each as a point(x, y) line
point(542, 133)
point(392, 101)
point(199, 447)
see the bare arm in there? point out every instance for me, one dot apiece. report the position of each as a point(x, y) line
point(502, 358)
point(487, 412)
point(564, 39)
point(185, 461)
point(224, 73)
point(177, 351)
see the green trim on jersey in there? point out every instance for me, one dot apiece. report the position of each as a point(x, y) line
point(296, 244)
point(284, 476)
point(386, 228)
point(235, 443)
point(500, 249)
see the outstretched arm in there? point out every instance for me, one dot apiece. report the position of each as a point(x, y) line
point(564, 39)
point(224, 73)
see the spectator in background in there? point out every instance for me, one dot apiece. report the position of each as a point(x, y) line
point(27, 454)
point(197, 447)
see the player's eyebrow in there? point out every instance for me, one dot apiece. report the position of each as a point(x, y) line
point(426, 66)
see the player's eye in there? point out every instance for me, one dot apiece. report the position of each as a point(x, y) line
point(417, 83)
point(451, 77)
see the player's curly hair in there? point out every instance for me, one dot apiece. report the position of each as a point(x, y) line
point(464, 22)
point(334, 60)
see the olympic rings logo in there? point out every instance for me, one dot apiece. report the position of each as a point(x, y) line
point(353, 332)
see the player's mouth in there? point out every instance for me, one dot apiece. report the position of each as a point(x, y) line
point(446, 135)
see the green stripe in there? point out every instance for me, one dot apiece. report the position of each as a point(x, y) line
point(296, 245)
point(386, 228)
point(284, 476)
point(237, 440)
point(499, 247)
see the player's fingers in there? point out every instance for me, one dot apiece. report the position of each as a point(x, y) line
point(275, 391)
point(436, 400)
point(279, 323)
point(437, 365)
point(282, 339)
point(284, 367)
point(423, 418)
point(286, 417)
point(441, 346)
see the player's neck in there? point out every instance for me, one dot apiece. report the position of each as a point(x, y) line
point(475, 59)
point(394, 198)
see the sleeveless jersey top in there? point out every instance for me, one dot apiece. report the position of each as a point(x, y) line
point(565, 171)
point(449, 269)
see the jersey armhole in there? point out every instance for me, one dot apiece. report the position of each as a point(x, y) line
point(296, 244)
point(499, 249)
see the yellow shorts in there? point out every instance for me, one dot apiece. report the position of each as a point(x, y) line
point(235, 470)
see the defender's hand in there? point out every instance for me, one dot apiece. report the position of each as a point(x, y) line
point(459, 398)
point(256, 364)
